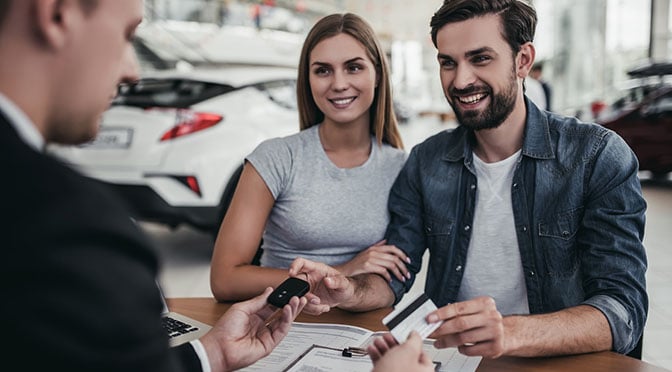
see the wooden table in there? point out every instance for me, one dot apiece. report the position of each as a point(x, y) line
point(208, 311)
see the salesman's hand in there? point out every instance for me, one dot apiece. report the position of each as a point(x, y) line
point(387, 356)
point(328, 286)
point(240, 337)
point(475, 327)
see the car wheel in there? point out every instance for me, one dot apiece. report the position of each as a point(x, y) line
point(659, 176)
point(227, 196)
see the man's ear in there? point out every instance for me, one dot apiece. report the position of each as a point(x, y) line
point(525, 59)
point(50, 21)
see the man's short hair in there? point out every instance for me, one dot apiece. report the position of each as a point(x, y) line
point(519, 19)
point(4, 9)
point(87, 5)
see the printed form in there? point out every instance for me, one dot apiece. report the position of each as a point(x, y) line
point(319, 347)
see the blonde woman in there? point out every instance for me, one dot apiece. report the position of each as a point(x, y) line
point(322, 193)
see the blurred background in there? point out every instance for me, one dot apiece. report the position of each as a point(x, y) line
point(586, 46)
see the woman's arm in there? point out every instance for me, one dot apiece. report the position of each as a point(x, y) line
point(232, 275)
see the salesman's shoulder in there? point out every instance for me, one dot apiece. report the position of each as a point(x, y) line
point(45, 195)
point(40, 178)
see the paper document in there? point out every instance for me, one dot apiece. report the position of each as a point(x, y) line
point(303, 336)
point(318, 347)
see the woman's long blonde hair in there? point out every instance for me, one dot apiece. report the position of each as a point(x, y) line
point(383, 121)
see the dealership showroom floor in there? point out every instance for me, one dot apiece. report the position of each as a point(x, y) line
point(186, 255)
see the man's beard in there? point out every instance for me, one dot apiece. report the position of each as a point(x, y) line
point(500, 107)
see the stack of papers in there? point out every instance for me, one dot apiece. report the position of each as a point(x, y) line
point(318, 347)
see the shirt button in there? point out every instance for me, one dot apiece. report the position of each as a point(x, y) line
point(428, 229)
point(458, 268)
point(565, 233)
point(466, 228)
point(531, 273)
point(515, 185)
point(524, 228)
point(473, 186)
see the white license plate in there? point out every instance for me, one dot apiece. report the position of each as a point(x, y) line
point(112, 138)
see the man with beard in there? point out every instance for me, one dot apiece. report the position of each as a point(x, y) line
point(534, 222)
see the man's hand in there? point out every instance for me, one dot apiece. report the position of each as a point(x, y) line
point(328, 286)
point(408, 356)
point(475, 327)
point(241, 336)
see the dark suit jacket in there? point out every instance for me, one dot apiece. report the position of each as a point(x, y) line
point(77, 282)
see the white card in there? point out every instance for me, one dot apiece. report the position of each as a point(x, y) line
point(402, 321)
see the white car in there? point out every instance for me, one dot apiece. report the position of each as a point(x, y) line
point(173, 145)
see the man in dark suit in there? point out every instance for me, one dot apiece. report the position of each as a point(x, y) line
point(78, 281)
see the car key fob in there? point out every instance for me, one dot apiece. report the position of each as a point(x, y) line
point(288, 289)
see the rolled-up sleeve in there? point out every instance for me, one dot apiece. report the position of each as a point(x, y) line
point(613, 256)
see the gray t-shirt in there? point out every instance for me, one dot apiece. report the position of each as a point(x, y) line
point(322, 212)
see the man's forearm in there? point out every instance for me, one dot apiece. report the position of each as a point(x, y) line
point(575, 330)
point(371, 291)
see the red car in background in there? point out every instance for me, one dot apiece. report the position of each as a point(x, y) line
point(643, 117)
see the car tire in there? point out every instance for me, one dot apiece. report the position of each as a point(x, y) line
point(227, 196)
point(659, 176)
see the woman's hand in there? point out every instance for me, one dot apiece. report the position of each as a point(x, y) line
point(379, 259)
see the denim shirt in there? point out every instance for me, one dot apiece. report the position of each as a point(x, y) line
point(578, 212)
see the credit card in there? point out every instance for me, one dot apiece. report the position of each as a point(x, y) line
point(402, 321)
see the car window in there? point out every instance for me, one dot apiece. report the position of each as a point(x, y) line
point(659, 106)
point(176, 93)
point(632, 97)
point(282, 92)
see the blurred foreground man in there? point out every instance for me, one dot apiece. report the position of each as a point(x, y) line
point(78, 284)
point(534, 222)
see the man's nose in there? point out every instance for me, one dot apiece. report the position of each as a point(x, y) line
point(131, 68)
point(464, 77)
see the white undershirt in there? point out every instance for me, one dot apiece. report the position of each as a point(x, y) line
point(493, 266)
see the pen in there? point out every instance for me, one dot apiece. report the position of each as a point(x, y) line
point(349, 351)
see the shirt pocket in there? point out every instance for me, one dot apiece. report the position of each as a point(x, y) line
point(438, 232)
point(557, 237)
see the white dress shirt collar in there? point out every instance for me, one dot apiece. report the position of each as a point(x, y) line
point(22, 124)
